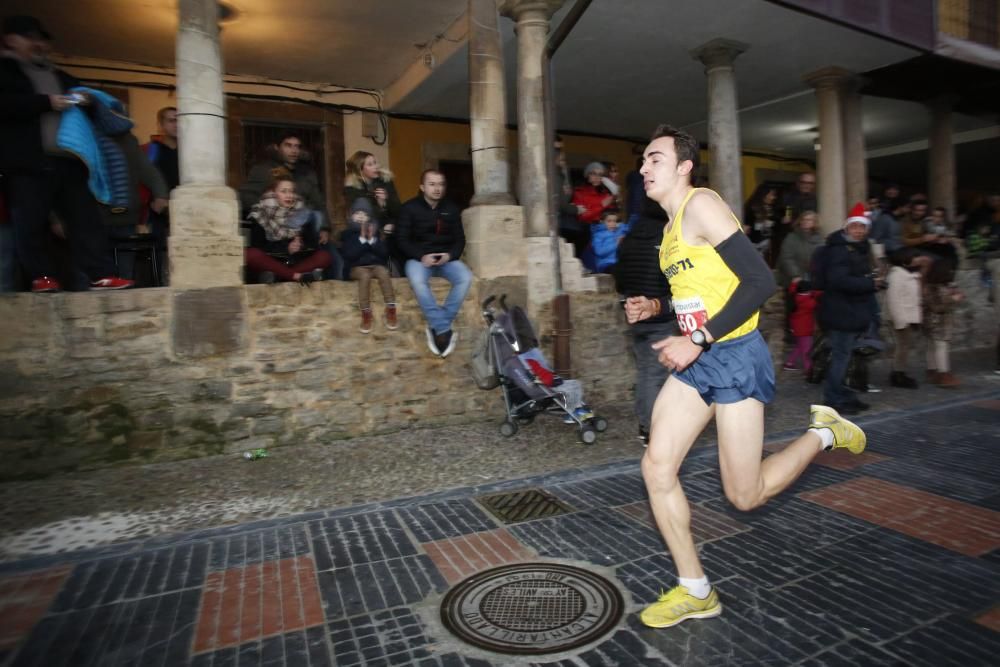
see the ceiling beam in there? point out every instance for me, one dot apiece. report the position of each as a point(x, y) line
point(437, 51)
point(969, 136)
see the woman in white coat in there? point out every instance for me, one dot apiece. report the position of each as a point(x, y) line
point(906, 311)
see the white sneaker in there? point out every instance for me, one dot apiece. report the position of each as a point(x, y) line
point(430, 342)
point(451, 344)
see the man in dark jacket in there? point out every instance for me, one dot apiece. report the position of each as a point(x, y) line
point(431, 238)
point(287, 154)
point(38, 175)
point(847, 305)
point(638, 273)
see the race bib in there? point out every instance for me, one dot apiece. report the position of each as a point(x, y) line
point(691, 314)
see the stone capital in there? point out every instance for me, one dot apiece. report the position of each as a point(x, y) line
point(719, 52)
point(829, 77)
point(529, 10)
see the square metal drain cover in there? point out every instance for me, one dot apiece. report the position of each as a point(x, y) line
point(523, 505)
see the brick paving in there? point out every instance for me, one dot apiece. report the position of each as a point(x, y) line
point(891, 558)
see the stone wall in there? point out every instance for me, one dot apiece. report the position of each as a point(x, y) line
point(89, 380)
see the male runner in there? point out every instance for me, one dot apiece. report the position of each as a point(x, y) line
point(721, 365)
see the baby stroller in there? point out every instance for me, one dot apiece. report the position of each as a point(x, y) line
point(525, 377)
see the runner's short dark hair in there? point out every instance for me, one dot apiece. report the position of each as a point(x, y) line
point(685, 145)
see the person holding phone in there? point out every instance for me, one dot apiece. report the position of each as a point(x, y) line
point(430, 236)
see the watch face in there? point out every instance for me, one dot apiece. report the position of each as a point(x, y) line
point(698, 337)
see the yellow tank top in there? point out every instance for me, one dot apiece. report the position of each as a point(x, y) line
point(700, 281)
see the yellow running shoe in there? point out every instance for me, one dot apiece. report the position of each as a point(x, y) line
point(846, 433)
point(679, 605)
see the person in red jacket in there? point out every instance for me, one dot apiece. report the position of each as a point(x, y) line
point(590, 200)
point(803, 321)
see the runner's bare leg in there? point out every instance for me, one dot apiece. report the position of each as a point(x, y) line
point(679, 417)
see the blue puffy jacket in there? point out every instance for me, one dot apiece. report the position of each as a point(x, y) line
point(605, 244)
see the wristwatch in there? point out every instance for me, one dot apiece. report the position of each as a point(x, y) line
point(698, 338)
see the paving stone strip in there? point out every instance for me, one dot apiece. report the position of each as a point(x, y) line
point(856, 563)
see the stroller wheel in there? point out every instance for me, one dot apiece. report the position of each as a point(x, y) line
point(600, 424)
point(588, 435)
point(508, 428)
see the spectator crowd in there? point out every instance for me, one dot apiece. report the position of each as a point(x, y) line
point(81, 199)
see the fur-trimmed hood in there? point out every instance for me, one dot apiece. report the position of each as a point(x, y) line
point(353, 181)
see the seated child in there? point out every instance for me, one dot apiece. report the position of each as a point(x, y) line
point(802, 320)
point(571, 390)
point(366, 255)
point(289, 249)
point(608, 233)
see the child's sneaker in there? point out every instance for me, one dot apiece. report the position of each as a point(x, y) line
point(580, 414)
point(390, 317)
point(366, 320)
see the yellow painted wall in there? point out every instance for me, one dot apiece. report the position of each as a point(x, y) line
point(407, 139)
point(752, 163)
point(143, 105)
point(406, 148)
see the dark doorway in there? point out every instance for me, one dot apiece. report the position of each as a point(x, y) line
point(458, 176)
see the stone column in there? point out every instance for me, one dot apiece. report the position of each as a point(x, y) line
point(206, 249)
point(487, 106)
point(941, 157)
point(725, 151)
point(832, 196)
point(532, 17)
point(855, 162)
point(494, 225)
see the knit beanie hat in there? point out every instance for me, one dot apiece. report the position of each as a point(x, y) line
point(361, 204)
point(858, 214)
point(592, 167)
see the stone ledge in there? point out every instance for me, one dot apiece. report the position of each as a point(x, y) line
point(93, 380)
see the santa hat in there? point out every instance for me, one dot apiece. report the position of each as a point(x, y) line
point(858, 214)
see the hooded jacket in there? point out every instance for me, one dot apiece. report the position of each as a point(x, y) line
point(848, 302)
point(355, 188)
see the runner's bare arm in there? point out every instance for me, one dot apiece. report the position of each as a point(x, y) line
point(708, 221)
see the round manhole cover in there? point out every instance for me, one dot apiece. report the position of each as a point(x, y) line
point(532, 608)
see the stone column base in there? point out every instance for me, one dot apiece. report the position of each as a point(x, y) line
point(206, 249)
point(494, 241)
point(541, 276)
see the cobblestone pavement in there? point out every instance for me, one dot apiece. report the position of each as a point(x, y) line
point(890, 558)
point(89, 509)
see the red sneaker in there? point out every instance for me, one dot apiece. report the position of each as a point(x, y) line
point(45, 284)
point(111, 282)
